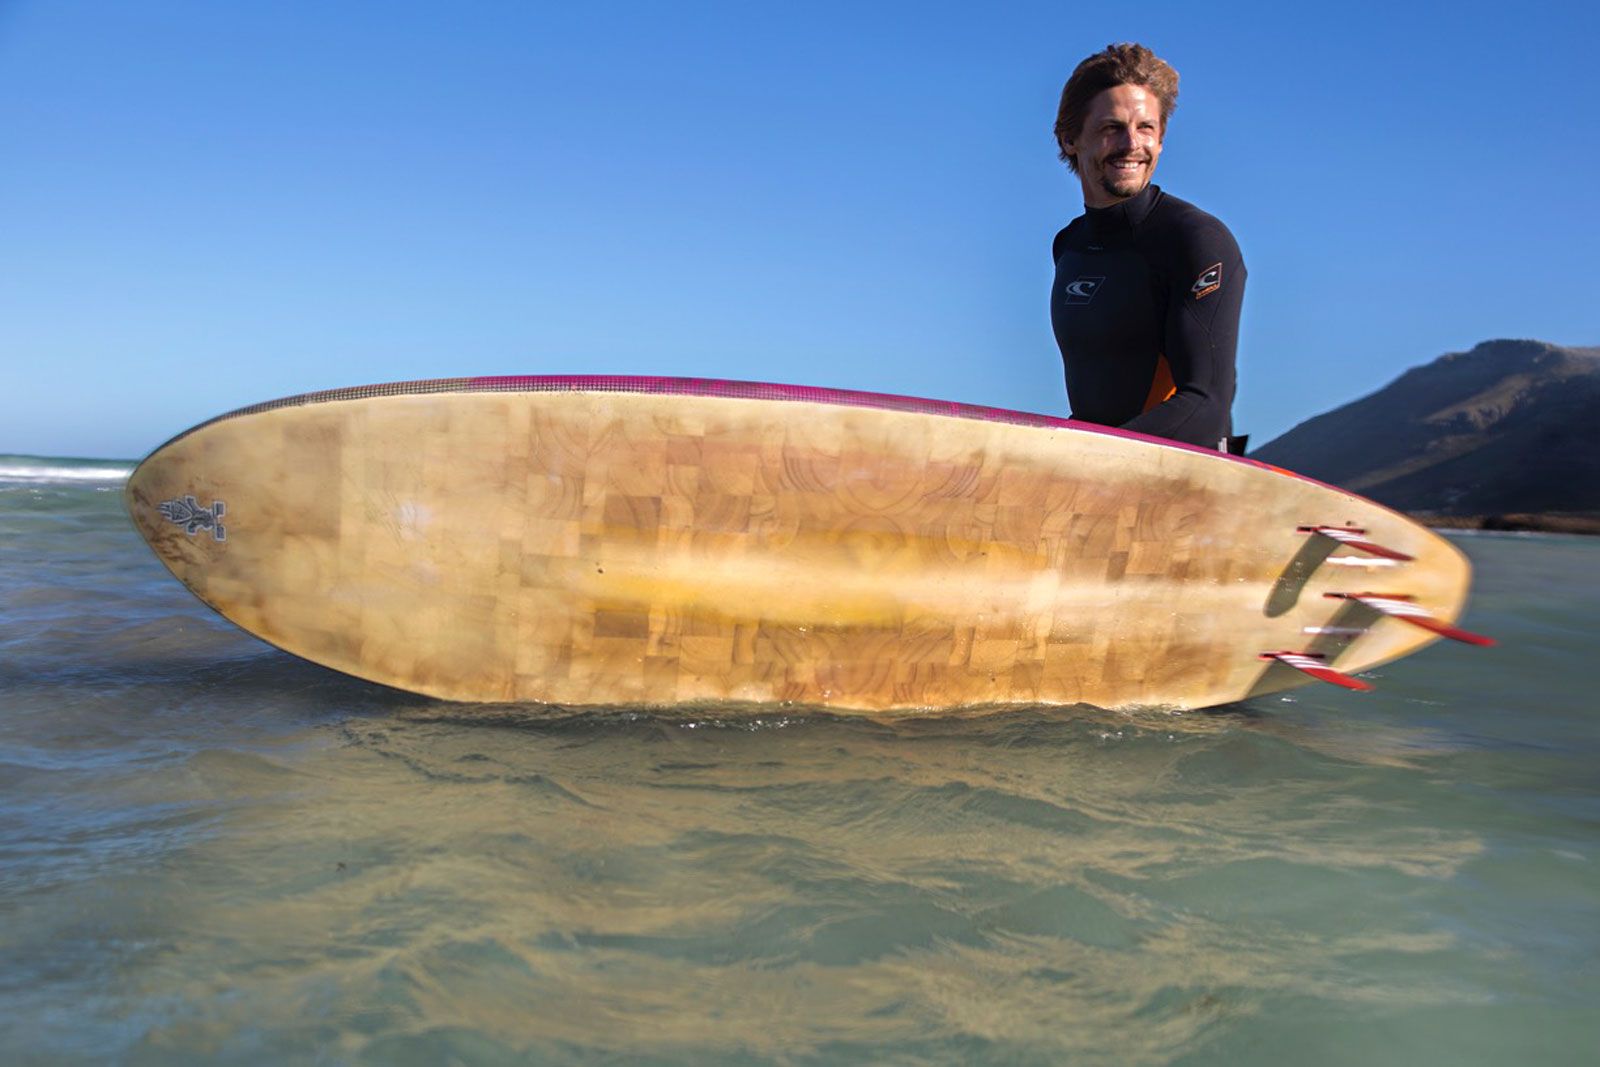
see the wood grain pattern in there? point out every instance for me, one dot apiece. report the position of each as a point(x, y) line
point(628, 549)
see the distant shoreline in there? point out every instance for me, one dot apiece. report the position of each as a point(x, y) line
point(1535, 523)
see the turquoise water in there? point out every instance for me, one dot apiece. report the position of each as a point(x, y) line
point(210, 850)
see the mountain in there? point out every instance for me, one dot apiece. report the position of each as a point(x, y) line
point(1506, 434)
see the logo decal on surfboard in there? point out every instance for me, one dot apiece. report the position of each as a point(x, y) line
point(194, 518)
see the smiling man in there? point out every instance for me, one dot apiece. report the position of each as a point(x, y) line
point(1148, 287)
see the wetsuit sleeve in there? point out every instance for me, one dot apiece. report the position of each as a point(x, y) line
point(1058, 244)
point(1205, 291)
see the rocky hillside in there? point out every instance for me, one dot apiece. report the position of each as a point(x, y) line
point(1509, 429)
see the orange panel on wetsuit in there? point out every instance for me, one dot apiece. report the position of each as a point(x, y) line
point(1162, 387)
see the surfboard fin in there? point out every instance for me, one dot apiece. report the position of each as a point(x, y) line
point(1315, 664)
point(1400, 606)
point(1356, 537)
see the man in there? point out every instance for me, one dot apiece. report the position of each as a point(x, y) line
point(1148, 287)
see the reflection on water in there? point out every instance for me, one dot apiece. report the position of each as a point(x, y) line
point(778, 888)
point(211, 850)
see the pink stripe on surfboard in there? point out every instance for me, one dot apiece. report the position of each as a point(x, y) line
point(741, 390)
point(807, 394)
point(719, 387)
point(713, 387)
point(760, 391)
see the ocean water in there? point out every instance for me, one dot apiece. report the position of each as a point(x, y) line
point(211, 851)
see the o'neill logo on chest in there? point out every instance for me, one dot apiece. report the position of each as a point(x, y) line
point(1081, 290)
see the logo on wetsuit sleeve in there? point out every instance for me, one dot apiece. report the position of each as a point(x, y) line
point(1210, 281)
point(1082, 290)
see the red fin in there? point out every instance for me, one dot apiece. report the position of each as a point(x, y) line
point(1355, 537)
point(1312, 663)
point(1452, 632)
point(1400, 606)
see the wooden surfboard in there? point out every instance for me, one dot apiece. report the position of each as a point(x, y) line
point(660, 542)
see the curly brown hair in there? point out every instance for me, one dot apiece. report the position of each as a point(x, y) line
point(1119, 64)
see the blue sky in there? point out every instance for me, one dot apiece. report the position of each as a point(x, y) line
point(208, 204)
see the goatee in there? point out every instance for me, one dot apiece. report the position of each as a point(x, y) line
point(1125, 188)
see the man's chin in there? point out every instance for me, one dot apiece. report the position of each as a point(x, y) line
point(1124, 188)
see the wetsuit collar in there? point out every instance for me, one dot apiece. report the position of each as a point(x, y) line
point(1127, 215)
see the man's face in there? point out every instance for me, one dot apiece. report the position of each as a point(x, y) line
point(1117, 149)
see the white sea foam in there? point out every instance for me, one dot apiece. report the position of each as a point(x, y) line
point(45, 470)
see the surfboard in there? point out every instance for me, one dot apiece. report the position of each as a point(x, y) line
point(665, 543)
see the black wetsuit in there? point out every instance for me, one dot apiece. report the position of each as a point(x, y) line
point(1146, 310)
